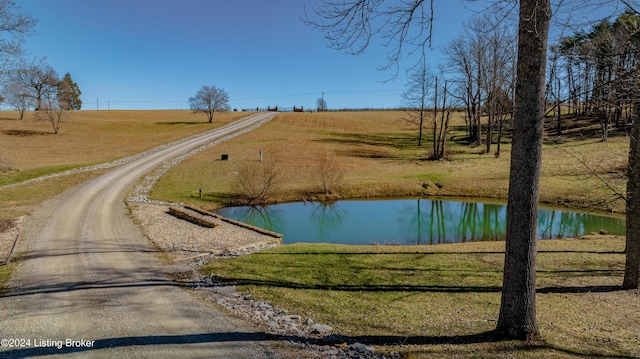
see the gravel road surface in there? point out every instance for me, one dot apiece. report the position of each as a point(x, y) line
point(89, 284)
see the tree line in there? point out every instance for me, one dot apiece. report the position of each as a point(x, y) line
point(593, 71)
point(31, 83)
point(590, 74)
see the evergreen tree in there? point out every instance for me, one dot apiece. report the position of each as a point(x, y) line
point(69, 93)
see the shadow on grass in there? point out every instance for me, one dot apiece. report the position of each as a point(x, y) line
point(229, 280)
point(399, 141)
point(580, 127)
point(413, 253)
point(362, 287)
point(26, 133)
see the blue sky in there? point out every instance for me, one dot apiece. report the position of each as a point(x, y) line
point(155, 54)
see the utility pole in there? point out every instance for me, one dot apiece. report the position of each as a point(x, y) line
point(97, 103)
point(324, 107)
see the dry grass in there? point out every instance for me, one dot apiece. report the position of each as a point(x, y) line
point(379, 153)
point(29, 148)
point(89, 137)
point(22, 200)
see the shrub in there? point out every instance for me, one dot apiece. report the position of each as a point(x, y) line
point(257, 180)
point(330, 174)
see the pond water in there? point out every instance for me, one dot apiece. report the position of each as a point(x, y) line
point(408, 221)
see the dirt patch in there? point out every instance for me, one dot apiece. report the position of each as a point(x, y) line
point(5, 167)
point(6, 224)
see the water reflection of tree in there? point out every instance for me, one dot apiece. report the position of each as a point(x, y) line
point(265, 217)
point(557, 224)
point(438, 227)
point(481, 222)
point(415, 220)
point(327, 216)
point(436, 221)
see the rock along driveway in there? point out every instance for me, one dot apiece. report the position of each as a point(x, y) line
point(89, 284)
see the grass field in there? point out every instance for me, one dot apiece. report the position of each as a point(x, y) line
point(29, 149)
point(379, 154)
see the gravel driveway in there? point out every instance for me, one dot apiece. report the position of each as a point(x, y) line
point(90, 284)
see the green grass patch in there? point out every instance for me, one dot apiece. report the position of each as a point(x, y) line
point(23, 175)
point(5, 275)
point(443, 300)
point(21, 200)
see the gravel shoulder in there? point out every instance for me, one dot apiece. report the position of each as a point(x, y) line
point(186, 242)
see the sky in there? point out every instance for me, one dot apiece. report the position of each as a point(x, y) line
point(155, 54)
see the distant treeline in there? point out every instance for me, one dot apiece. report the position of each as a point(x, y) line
point(365, 109)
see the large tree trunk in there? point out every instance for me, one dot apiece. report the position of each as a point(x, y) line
point(518, 304)
point(632, 264)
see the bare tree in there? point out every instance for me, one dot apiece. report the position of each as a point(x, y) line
point(440, 128)
point(14, 26)
point(256, 181)
point(18, 97)
point(208, 100)
point(467, 89)
point(497, 67)
point(53, 109)
point(330, 174)
point(350, 26)
point(503, 103)
point(322, 104)
point(417, 95)
point(482, 61)
point(38, 78)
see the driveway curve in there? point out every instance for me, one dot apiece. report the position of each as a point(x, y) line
point(90, 284)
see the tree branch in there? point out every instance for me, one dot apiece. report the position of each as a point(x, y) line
point(596, 175)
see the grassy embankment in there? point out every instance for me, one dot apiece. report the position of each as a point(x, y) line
point(29, 149)
point(442, 301)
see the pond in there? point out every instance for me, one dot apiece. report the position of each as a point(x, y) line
point(409, 221)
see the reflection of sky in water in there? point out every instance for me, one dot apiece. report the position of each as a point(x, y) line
point(408, 221)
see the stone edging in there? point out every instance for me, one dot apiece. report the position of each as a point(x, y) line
point(237, 223)
point(193, 217)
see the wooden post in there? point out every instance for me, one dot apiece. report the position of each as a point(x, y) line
point(200, 193)
point(260, 154)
